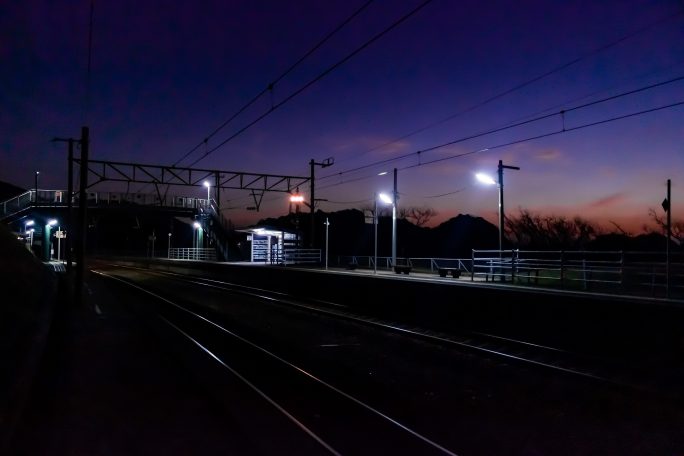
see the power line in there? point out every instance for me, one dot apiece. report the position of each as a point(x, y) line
point(270, 86)
point(526, 83)
point(553, 133)
point(317, 78)
point(518, 141)
point(508, 127)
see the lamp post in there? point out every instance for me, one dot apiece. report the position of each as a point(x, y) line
point(395, 197)
point(169, 248)
point(206, 184)
point(196, 238)
point(387, 200)
point(484, 178)
point(30, 232)
point(35, 196)
point(327, 225)
point(47, 251)
point(375, 241)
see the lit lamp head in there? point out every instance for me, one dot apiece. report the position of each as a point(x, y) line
point(385, 198)
point(197, 225)
point(52, 222)
point(485, 179)
point(207, 184)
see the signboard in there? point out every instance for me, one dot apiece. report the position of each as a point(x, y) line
point(368, 215)
point(60, 234)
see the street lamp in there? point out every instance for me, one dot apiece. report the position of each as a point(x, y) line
point(387, 200)
point(327, 225)
point(169, 248)
point(196, 237)
point(206, 184)
point(47, 250)
point(485, 179)
point(393, 202)
point(35, 198)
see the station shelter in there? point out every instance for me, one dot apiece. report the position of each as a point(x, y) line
point(269, 245)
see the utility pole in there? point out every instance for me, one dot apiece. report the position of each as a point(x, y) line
point(327, 225)
point(82, 215)
point(395, 197)
point(501, 201)
point(324, 164)
point(667, 205)
point(70, 198)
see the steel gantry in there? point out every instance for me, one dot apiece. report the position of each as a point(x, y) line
point(257, 183)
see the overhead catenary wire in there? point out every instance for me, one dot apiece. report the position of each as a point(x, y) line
point(506, 127)
point(527, 82)
point(320, 76)
point(519, 141)
point(270, 87)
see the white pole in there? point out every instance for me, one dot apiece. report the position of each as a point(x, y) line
point(59, 244)
point(375, 243)
point(394, 221)
point(327, 224)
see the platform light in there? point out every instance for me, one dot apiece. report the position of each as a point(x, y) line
point(385, 198)
point(208, 185)
point(52, 222)
point(485, 178)
point(297, 198)
point(30, 223)
point(197, 225)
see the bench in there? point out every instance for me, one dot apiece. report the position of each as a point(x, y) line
point(399, 268)
point(454, 272)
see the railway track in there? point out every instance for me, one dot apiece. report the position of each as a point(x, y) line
point(352, 384)
point(503, 348)
point(325, 413)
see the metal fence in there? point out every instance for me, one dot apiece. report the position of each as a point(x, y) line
point(192, 254)
point(643, 273)
point(59, 198)
point(417, 264)
point(295, 256)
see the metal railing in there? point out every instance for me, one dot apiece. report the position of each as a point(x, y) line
point(192, 254)
point(420, 264)
point(301, 256)
point(642, 273)
point(59, 198)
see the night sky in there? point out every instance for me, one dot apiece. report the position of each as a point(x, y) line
point(164, 75)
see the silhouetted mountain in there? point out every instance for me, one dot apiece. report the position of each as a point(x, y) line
point(350, 235)
point(7, 191)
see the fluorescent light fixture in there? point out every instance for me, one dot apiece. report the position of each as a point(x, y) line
point(382, 173)
point(206, 184)
point(30, 223)
point(52, 222)
point(197, 225)
point(384, 197)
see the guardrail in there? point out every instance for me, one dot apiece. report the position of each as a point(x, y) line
point(192, 254)
point(420, 264)
point(59, 198)
point(632, 272)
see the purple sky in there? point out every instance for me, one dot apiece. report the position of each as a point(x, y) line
point(166, 74)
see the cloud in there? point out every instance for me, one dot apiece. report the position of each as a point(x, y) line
point(608, 201)
point(549, 155)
